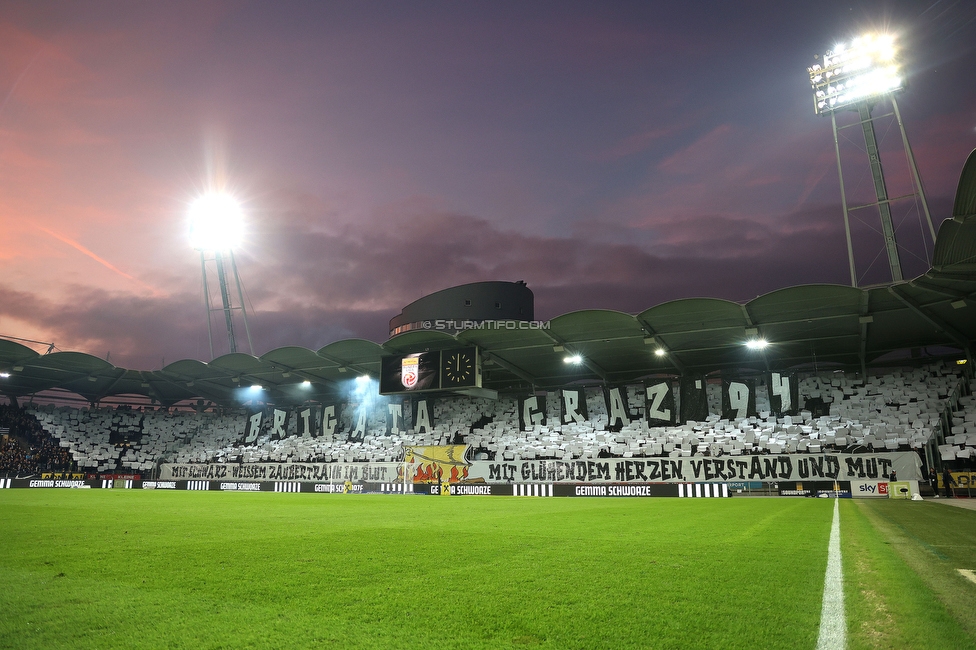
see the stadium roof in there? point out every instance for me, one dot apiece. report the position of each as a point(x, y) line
point(831, 325)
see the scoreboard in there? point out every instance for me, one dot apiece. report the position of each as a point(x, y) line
point(429, 371)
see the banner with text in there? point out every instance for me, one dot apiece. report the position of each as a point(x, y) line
point(333, 472)
point(769, 468)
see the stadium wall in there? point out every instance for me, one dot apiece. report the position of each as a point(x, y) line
point(822, 488)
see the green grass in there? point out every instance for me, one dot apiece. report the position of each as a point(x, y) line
point(118, 568)
point(902, 589)
point(126, 568)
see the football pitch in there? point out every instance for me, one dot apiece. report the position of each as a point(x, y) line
point(128, 568)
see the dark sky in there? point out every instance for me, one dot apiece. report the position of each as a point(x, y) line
point(611, 154)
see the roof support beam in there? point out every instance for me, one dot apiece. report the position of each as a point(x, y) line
point(512, 368)
point(537, 346)
point(935, 321)
point(669, 354)
point(303, 374)
point(934, 288)
point(864, 320)
point(181, 383)
point(109, 388)
point(762, 353)
point(177, 384)
point(600, 372)
point(790, 342)
point(146, 377)
point(683, 332)
point(342, 364)
point(706, 330)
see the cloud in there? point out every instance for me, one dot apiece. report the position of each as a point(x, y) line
point(84, 251)
point(310, 285)
point(611, 157)
point(381, 264)
point(637, 143)
point(143, 333)
point(708, 150)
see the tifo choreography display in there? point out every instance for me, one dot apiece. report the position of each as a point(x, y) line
point(782, 428)
point(899, 410)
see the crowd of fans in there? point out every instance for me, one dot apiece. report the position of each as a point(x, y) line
point(41, 453)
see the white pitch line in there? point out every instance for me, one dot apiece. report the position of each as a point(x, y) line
point(833, 623)
point(968, 574)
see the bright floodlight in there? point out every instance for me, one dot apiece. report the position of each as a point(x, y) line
point(660, 352)
point(574, 359)
point(306, 384)
point(866, 67)
point(362, 379)
point(216, 223)
point(257, 387)
point(4, 375)
point(757, 344)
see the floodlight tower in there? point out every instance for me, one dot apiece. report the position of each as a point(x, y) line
point(216, 228)
point(856, 76)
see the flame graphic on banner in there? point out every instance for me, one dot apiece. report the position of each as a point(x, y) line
point(438, 464)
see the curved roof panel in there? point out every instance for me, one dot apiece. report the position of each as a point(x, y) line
point(818, 320)
point(955, 247)
point(798, 303)
point(76, 362)
point(693, 314)
point(420, 340)
point(12, 352)
point(293, 356)
point(359, 355)
point(509, 338)
point(189, 368)
point(238, 362)
point(692, 328)
point(965, 203)
point(352, 350)
point(581, 325)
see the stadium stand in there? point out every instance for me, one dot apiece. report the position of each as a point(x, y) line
point(26, 448)
point(897, 410)
point(961, 443)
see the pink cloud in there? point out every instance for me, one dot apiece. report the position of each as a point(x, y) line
point(706, 151)
point(636, 143)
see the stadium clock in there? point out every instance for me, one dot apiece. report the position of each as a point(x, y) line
point(458, 368)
